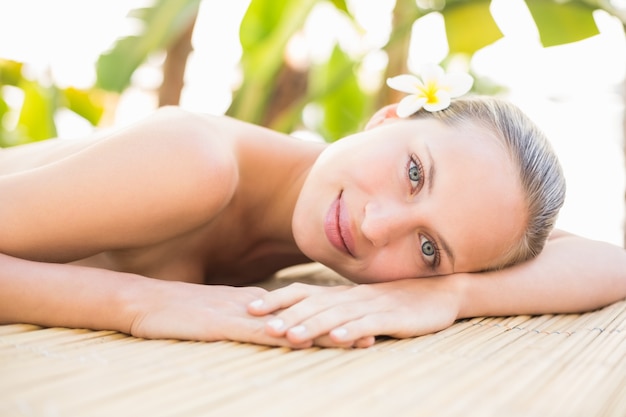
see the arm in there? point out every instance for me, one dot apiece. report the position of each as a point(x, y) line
point(140, 186)
point(60, 295)
point(57, 295)
point(572, 274)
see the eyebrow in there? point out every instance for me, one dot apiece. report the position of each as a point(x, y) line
point(431, 180)
point(431, 170)
point(447, 250)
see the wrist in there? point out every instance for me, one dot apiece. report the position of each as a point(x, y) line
point(458, 287)
point(132, 301)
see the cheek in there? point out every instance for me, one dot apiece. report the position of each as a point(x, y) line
point(307, 210)
point(358, 159)
point(304, 217)
point(392, 264)
point(376, 179)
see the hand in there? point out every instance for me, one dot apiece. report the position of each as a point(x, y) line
point(346, 316)
point(177, 310)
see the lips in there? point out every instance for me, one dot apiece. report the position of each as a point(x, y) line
point(337, 227)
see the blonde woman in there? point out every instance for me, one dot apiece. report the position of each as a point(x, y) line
point(159, 229)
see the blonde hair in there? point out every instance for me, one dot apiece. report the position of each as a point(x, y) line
point(540, 173)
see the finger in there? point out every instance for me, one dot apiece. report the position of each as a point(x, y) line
point(313, 322)
point(281, 298)
point(363, 330)
point(365, 342)
point(292, 318)
point(326, 342)
point(250, 330)
point(344, 335)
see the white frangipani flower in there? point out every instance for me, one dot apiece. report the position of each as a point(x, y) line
point(432, 91)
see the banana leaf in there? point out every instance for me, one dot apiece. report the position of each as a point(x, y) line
point(470, 26)
point(561, 22)
point(161, 24)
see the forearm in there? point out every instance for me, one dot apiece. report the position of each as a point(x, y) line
point(571, 275)
point(50, 294)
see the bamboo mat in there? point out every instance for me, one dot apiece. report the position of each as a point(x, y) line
point(551, 365)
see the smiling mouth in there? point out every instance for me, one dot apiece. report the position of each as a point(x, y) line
point(336, 227)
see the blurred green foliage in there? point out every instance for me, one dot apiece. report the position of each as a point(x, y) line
point(267, 94)
point(39, 102)
point(470, 26)
point(562, 22)
point(264, 33)
point(161, 23)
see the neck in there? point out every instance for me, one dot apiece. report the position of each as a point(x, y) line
point(273, 168)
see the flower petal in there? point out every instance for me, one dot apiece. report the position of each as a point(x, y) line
point(409, 105)
point(405, 83)
point(458, 83)
point(432, 73)
point(433, 90)
point(442, 101)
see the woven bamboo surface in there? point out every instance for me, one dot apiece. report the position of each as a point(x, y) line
point(551, 365)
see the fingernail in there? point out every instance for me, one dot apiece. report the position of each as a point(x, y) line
point(339, 333)
point(298, 330)
point(276, 324)
point(256, 303)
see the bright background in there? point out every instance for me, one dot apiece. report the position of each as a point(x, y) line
point(574, 92)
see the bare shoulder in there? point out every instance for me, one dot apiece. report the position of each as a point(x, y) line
point(558, 234)
point(173, 140)
point(141, 185)
point(189, 151)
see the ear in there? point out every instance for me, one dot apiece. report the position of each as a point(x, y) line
point(383, 114)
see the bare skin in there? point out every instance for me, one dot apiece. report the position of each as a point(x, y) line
point(201, 247)
point(118, 232)
point(168, 223)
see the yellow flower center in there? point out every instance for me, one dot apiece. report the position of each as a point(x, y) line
point(430, 92)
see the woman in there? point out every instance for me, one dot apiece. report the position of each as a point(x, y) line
point(439, 217)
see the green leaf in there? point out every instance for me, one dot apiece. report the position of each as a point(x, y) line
point(36, 120)
point(264, 33)
point(470, 26)
point(260, 20)
point(4, 108)
point(4, 134)
point(86, 103)
point(560, 22)
point(341, 5)
point(344, 103)
point(162, 23)
point(10, 72)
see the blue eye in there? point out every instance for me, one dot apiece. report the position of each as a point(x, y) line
point(429, 251)
point(428, 248)
point(414, 172)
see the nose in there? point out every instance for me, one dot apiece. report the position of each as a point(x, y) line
point(385, 221)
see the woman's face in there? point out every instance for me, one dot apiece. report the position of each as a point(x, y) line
point(410, 198)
